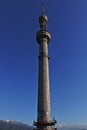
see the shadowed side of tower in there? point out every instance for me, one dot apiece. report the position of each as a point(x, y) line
point(43, 111)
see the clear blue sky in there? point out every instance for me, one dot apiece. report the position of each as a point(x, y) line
point(19, 59)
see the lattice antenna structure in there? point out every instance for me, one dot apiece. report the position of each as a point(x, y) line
point(43, 11)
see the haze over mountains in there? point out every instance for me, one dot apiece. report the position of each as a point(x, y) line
point(72, 127)
point(13, 125)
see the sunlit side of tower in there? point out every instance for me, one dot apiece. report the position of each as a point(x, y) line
point(43, 37)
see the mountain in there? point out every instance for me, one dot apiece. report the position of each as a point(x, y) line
point(72, 127)
point(14, 125)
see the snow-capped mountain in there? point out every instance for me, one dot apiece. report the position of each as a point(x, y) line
point(14, 125)
point(71, 127)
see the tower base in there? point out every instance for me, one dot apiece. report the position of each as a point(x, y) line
point(45, 125)
point(45, 128)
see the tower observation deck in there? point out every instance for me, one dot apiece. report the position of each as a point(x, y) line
point(43, 38)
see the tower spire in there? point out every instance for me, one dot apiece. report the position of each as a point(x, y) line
point(43, 11)
point(43, 19)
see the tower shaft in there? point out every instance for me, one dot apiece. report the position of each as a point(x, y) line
point(43, 83)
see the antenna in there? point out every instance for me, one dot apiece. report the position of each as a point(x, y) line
point(43, 7)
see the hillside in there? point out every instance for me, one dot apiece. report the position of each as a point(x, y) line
point(13, 125)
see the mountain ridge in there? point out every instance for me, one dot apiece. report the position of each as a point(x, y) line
point(15, 125)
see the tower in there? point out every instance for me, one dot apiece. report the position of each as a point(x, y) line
point(43, 37)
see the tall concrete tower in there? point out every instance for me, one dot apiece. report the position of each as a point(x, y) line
point(43, 37)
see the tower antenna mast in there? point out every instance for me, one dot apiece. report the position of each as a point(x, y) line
point(43, 11)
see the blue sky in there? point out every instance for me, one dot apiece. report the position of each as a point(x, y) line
point(19, 59)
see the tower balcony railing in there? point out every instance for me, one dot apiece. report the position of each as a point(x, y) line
point(52, 128)
point(45, 123)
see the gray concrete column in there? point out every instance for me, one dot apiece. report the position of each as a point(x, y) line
point(43, 83)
